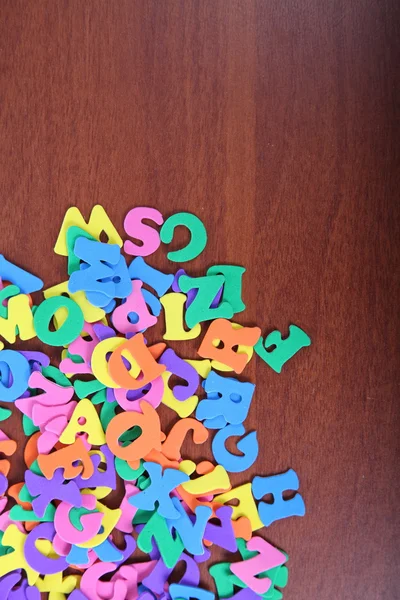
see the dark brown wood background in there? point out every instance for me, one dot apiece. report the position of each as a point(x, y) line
point(277, 123)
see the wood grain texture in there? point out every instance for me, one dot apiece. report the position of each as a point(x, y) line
point(278, 124)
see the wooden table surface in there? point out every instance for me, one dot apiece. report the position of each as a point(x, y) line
point(275, 122)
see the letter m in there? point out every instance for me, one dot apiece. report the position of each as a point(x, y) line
point(98, 223)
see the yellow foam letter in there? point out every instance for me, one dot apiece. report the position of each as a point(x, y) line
point(19, 314)
point(203, 367)
point(247, 506)
point(14, 538)
point(98, 222)
point(110, 519)
point(216, 480)
point(99, 361)
point(57, 585)
point(173, 313)
point(84, 418)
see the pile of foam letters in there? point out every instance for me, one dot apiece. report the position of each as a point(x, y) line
point(92, 424)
